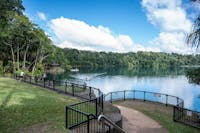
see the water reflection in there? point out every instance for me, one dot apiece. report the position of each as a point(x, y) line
point(193, 75)
point(173, 84)
point(171, 81)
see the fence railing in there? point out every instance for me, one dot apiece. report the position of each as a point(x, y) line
point(81, 116)
point(180, 114)
point(144, 96)
point(67, 87)
point(187, 116)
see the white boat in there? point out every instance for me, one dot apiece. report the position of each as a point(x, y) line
point(74, 70)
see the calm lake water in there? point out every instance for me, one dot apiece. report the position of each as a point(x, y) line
point(172, 82)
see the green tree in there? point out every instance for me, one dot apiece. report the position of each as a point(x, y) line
point(194, 37)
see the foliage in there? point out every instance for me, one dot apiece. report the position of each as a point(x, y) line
point(18, 72)
point(39, 70)
point(194, 37)
point(193, 75)
point(23, 45)
point(154, 60)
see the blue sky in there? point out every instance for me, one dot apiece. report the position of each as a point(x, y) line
point(115, 25)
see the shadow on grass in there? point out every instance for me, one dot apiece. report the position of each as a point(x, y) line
point(7, 99)
point(43, 107)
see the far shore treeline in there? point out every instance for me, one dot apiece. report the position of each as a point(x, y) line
point(24, 46)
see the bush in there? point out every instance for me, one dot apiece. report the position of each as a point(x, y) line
point(26, 72)
point(18, 72)
point(39, 70)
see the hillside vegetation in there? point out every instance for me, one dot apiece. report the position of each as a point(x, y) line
point(24, 46)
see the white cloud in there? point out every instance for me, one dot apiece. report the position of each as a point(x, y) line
point(171, 18)
point(168, 15)
point(41, 16)
point(78, 34)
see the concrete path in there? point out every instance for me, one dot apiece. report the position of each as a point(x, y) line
point(136, 122)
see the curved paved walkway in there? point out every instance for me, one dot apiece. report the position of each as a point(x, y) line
point(136, 122)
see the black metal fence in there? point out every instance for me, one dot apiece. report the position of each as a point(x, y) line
point(180, 114)
point(66, 87)
point(81, 117)
point(187, 116)
point(144, 96)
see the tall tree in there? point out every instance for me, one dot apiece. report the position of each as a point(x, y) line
point(194, 37)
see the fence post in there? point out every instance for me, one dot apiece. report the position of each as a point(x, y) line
point(177, 101)
point(99, 95)
point(144, 95)
point(49, 82)
point(88, 123)
point(72, 89)
point(54, 84)
point(44, 82)
point(96, 106)
point(90, 92)
point(124, 95)
point(65, 87)
point(166, 100)
point(174, 113)
point(102, 102)
point(111, 97)
point(66, 117)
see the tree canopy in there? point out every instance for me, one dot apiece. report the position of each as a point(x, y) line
point(23, 45)
point(194, 37)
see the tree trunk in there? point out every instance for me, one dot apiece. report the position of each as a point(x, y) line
point(13, 55)
point(42, 58)
point(36, 60)
point(24, 64)
point(13, 58)
point(18, 57)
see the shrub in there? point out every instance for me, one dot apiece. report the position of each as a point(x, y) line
point(39, 70)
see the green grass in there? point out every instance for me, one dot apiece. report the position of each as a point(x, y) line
point(26, 107)
point(161, 114)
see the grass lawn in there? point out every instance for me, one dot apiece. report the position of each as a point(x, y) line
point(25, 107)
point(160, 113)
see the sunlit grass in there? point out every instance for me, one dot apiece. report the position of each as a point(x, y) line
point(23, 106)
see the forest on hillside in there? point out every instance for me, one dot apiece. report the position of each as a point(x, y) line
point(24, 46)
point(79, 58)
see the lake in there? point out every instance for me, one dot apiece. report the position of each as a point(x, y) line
point(168, 81)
